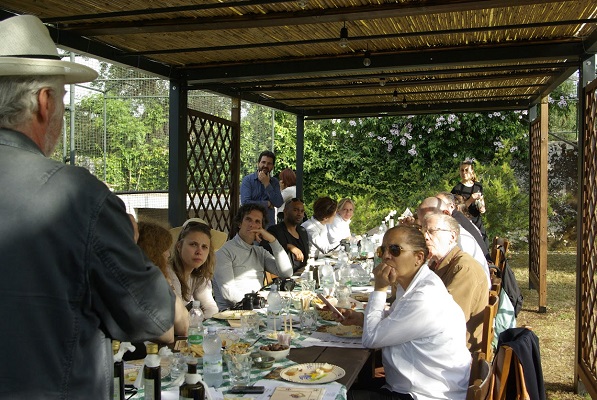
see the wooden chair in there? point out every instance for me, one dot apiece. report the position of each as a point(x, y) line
point(496, 254)
point(481, 378)
point(488, 324)
point(504, 364)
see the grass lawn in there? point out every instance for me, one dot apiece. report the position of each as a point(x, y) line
point(556, 327)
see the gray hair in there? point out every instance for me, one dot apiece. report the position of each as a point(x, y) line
point(446, 220)
point(18, 97)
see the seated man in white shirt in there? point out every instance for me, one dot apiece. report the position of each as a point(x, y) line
point(324, 211)
point(241, 263)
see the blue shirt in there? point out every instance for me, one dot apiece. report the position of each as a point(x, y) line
point(253, 191)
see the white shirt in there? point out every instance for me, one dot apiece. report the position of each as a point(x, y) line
point(339, 229)
point(423, 339)
point(287, 194)
point(468, 244)
point(240, 269)
point(318, 237)
point(200, 290)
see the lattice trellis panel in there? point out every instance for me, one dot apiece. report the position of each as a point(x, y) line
point(538, 208)
point(587, 305)
point(211, 184)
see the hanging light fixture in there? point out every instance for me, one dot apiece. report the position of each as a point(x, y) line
point(404, 102)
point(382, 82)
point(395, 95)
point(367, 58)
point(303, 3)
point(344, 36)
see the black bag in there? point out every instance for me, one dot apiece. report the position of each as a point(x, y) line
point(510, 285)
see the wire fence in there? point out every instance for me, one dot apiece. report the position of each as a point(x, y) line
point(117, 127)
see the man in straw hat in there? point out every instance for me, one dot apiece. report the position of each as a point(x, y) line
point(73, 278)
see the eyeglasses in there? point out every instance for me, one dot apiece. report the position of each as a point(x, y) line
point(432, 231)
point(394, 249)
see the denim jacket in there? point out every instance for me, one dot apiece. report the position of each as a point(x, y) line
point(72, 278)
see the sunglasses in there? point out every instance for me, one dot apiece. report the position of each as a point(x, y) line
point(394, 249)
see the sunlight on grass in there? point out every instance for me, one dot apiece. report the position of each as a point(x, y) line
point(556, 327)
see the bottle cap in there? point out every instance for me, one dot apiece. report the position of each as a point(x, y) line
point(115, 345)
point(196, 304)
point(152, 348)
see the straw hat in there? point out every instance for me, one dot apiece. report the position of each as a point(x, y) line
point(218, 238)
point(26, 49)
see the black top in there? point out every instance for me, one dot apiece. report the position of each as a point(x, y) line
point(284, 237)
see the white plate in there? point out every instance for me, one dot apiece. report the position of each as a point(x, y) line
point(230, 314)
point(271, 335)
point(345, 331)
point(303, 373)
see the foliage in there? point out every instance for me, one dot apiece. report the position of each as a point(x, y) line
point(395, 162)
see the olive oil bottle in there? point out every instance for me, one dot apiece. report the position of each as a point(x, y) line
point(192, 388)
point(152, 374)
point(118, 373)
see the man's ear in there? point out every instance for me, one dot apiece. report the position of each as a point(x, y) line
point(46, 104)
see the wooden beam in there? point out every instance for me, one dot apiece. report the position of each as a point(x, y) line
point(304, 17)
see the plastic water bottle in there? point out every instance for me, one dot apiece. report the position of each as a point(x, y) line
point(383, 228)
point(274, 308)
point(212, 359)
point(195, 324)
point(327, 280)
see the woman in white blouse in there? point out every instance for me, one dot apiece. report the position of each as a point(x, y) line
point(423, 334)
point(339, 229)
point(324, 211)
point(192, 266)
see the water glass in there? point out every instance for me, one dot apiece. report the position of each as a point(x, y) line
point(239, 371)
point(178, 365)
point(249, 324)
point(308, 321)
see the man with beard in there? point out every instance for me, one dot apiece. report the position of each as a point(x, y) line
point(291, 235)
point(241, 263)
point(262, 188)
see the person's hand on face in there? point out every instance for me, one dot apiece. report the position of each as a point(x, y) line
point(264, 168)
point(384, 276)
point(261, 234)
point(263, 177)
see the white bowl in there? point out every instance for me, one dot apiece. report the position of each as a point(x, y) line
point(277, 355)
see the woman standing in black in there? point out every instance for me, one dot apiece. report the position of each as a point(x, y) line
point(472, 192)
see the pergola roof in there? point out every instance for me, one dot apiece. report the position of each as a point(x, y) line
point(436, 55)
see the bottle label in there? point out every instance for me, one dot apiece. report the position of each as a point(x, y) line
point(195, 337)
point(212, 366)
point(117, 388)
point(149, 388)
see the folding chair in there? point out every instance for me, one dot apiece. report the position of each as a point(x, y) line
point(480, 382)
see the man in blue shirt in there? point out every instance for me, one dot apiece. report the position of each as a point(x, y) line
point(262, 188)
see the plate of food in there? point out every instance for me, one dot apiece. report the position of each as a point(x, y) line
point(312, 373)
point(273, 335)
point(231, 314)
point(346, 331)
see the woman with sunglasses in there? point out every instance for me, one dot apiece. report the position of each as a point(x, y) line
point(423, 334)
point(192, 266)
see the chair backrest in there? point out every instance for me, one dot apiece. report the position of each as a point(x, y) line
point(505, 364)
point(481, 378)
point(489, 314)
point(498, 256)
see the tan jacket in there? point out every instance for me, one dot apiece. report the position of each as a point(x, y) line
point(466, 282)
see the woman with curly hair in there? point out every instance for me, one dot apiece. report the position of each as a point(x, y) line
point(155, 241)
point(192, 266)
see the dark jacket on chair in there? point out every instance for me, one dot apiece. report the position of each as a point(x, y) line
point(525, 345)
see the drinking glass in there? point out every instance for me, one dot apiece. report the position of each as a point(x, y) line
point(239, 371)
point(308, 321)
point(249, 324)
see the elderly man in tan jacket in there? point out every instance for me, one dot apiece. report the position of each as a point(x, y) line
point(460, 272)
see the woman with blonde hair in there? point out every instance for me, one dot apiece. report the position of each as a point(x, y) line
point(192, 266)
point(339, 229)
